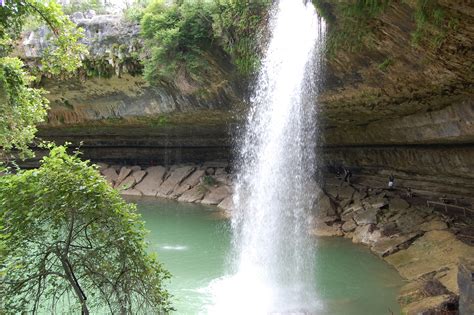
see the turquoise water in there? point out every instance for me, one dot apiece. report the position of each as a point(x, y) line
point(193, 244)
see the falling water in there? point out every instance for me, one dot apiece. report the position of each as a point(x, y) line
point(273, 255)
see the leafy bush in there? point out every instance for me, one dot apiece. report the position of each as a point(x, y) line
point(70, 244)
point(180, 36)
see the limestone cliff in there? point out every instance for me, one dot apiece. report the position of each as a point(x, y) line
point(389, 105)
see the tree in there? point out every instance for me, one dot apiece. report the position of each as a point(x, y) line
point(21, 105)
point(70, 243)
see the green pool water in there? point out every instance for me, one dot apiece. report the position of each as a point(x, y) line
point(193, 243)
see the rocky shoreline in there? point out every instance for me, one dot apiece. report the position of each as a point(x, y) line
point(421, 243)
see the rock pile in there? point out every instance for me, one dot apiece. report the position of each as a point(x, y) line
point(414, 239)
point(208, 183)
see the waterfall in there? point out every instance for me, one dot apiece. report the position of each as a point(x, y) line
point(273, 257)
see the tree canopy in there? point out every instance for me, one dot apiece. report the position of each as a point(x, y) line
point(21, 105)
point(70, 244)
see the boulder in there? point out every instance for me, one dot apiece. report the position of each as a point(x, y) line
point(175, 178)
point(366, 235)
point(138, 175)
point(127, 183)
point(215, 195)
point(368, 216)
point(345, 192)
point(227, 204)
point(193, 195)
point(124, 172)
point(398, 204)
point(188, 183)
point(153, 179)
point(321, 229)
point(324, 207)
point(389, 245)
point(349, 226)
point(377, 201)
point(135, 168)
point(110, 175)
point(433, 224)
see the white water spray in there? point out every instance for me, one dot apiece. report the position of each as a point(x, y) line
point(273, 254)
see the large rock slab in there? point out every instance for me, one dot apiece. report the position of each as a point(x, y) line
point(150, 183)
point(227, 204)
point(434, 251)
point(398, 204)
point(110, 175)
point(127, 183)
point(193, 195)
point(216, 195)
point(175, 178)
point(321, 229)
point(138, 175)
point(368, 216)
point(389, 245)
point(124, 172)
point(188, 183)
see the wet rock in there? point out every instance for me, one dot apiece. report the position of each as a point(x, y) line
point(368, 216)
point(150, 183)
point(193, 195)
point(175, 178)
point(216, 195)
point(110, 175)
point(321, 229)
point(349, 226)
point(465, 280)
point(324, 207)
point(389, 245)
point(227, 204)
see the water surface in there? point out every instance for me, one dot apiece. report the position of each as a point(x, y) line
point(193, 243)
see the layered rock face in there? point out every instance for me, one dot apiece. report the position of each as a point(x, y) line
point(388, 107)
point(394, 106)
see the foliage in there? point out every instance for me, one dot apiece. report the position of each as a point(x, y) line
point(383, 66)
point(353, 24)
point(71, 244)
point(135, 11)
point(209, 180)
point(177, 35)
point(83, 6)
point(22, 106)
point(432, 23)
point(236, 25)
point(181, 35)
